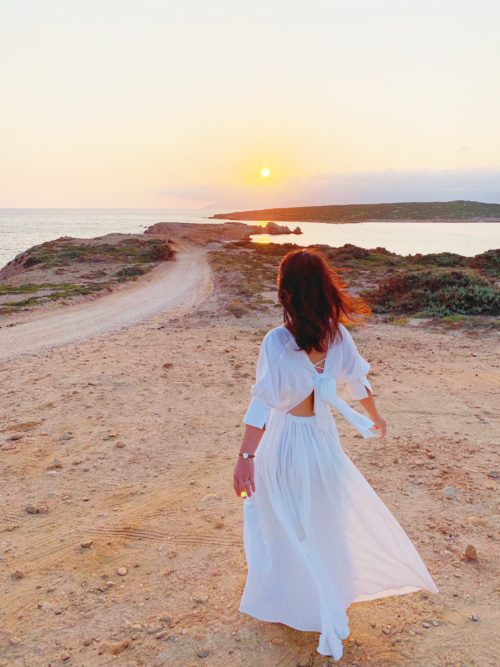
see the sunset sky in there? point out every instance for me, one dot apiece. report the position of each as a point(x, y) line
point(182, 103)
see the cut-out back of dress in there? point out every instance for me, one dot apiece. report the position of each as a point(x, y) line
point(315, 364)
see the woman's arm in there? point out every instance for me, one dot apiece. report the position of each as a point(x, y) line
point(368, 404)
point(243, 478)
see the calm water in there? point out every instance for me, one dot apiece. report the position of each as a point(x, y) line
point(405, 238)
point(23, 228)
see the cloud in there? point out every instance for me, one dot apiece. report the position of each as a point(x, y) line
point(349, 188)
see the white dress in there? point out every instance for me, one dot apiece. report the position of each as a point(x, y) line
point(317, 537)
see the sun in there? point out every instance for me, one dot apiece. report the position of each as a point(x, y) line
point(265, 172)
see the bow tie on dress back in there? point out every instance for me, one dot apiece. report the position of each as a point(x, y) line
point(325, 389)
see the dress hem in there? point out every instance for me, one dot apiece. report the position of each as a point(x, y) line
point(383, 593)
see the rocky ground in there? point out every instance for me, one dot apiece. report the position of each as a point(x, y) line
point(121, 532)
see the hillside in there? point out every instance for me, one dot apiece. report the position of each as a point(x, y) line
point(452, 211)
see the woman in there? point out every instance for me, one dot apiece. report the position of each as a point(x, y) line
point(317, 537)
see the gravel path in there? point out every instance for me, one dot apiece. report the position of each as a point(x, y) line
point(177, 286)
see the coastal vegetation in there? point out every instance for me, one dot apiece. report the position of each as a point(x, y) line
point(436, 293)
point(66, 268)
point(451, 211)
point(435, 286)
point(62, 252)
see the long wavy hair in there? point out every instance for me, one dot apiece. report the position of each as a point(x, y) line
point(315, 299)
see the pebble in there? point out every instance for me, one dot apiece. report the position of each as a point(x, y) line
point(450, 492)
point(476, 520)
point(277, 641)
point(45, 605)
point(386, 629)
point(17, 574)
point(55, 465)
point(201, 598)
point(120, 445)
point(152, 629)
point(66, 436)
point(115, 647)
point(426, 625)
point(87, 544)
point(122, 571)
point(202, 654)
point(470, 553)
point(473, 617)
point(37, 509)
point(166, 618)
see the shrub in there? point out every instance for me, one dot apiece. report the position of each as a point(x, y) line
point(130, 272)
point(439, 259)
point(487, 262)
point(438, 293)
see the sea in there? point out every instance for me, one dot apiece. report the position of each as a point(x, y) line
point(22, 228)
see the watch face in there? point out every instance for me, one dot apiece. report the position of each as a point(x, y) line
point(245, 455)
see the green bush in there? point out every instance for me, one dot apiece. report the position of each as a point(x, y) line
point(438, 293)
point(439, 259)
point(487, 262)
point(130, 272)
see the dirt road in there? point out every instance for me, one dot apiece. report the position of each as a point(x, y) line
point(176, 286)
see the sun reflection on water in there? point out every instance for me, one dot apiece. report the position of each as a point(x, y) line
point(261, 238)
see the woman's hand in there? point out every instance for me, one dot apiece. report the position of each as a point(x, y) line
point(380, 425)
point(243, 477)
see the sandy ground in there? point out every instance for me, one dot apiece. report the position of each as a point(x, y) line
point(117, 452)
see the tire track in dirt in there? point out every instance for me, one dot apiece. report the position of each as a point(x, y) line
point(132, 523)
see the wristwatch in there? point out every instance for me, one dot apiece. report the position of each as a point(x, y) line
point(246, 455)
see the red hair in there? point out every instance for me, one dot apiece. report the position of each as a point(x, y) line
point(315, 299)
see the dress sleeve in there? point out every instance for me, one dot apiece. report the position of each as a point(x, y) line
point(355, 368)
point(263, 390)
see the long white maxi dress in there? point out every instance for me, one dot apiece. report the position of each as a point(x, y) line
point(317, 537)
